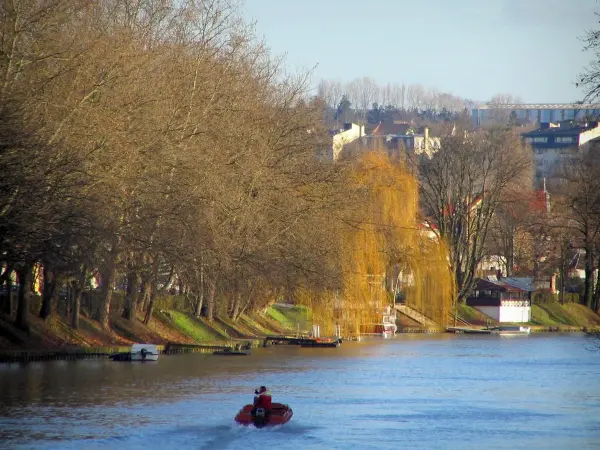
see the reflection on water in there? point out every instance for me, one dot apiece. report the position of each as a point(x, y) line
point(421, 392)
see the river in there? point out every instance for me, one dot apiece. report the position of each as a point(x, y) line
point(410, 392)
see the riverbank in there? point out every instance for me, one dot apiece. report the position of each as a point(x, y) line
point(174, 327)
point(166, 327)
point(544, 317)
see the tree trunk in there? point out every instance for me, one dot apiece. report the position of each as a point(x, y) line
point(9, 305)
point(596, 296)
point(235, 306)
point(211, 300)
point(70, 299)
point(587, 283)
point(78, 286)
point(200, 302)
point(133, 281)
point(152, 294)
point(60, 301)
point(22, 320)
point(241, 309)
point(47, 292)
point(106, 296)
point(6, 306)
point(181, 286)
point(143, 298)
point(150, 306)
point(76, 306)
point(510, 258)
point(199, 305)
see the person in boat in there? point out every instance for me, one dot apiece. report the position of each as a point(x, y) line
point(262, 400)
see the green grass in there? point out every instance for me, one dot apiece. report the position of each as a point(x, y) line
point(290, 317)
point(472, 315)
point(556, 313)
point(550, 314)
point(572, 314)
point(194, 328)
point(255, 325)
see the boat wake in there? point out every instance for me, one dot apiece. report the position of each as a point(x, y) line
point(203, 437)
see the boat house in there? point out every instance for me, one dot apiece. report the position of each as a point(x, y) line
point(508, 300)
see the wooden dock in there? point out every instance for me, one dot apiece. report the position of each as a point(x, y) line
point(467, 330)
point(302, 341)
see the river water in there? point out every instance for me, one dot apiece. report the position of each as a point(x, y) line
point(409, 392)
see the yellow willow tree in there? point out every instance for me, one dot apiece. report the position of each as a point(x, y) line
point(387, 243)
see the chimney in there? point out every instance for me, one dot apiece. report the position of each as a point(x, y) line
point(426, 140)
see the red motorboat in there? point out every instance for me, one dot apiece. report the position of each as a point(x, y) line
point(280, 414)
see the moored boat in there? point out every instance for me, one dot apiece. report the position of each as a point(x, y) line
point(280, 414)
point(510, 330)
point(138, 352)
point(386, 327)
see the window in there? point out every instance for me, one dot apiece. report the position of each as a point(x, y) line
point(564, 139)
point(528, 140)
point(540, 140)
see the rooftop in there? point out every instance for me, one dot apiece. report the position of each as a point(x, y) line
point(568, 128)
point(498, 286)
point(389, 128)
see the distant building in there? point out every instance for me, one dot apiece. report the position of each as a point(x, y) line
point(558, 144)
point(397, 139)
point(508, 300)
point(534, 113)
point(341, 138)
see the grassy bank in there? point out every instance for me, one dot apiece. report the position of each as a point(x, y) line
point(167, 326)
point(567, 315)
point(171, 326)
point(546, 315)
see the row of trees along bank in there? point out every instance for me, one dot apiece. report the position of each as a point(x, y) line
point(156, 142)
point(159, 145)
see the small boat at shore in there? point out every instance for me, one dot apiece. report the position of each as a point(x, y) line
point(386, 327)
point(280, 414)
point(510, 330)
point(138, 352)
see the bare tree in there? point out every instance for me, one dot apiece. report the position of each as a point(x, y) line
point(331, 92)
point(415, 97)
point(579, 207)
point(363, 93)
point(501, 110)
point(461, 189)
point(589, 79)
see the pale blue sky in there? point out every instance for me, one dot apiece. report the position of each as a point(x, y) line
point(470, 48)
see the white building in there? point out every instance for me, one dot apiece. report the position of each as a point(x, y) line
point(502, 301)
point(350, 133)
point(555, 145)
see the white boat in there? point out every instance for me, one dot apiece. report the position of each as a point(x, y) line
point(386, 328)
point(510, 330)
point(144, 352)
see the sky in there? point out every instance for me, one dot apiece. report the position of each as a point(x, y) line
point(474, 49)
